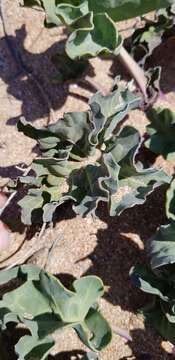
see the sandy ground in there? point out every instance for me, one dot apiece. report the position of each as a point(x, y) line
point(106, 247)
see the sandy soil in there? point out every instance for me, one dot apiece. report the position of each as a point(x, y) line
point(107, 247)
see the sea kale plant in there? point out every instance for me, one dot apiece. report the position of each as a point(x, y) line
point(88, 157)
point(43, 305)
point(161, 132)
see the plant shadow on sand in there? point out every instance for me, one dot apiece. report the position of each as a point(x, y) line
point(119, 247)
point(16, 65)
point(16, 62)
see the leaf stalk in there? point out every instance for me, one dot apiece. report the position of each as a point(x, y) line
point(135, 70)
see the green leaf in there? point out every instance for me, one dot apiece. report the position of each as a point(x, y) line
point(149, 37)
point(24, 271)
point(122, 10)
point(68, 305)
point(94, 34)
point(135, 182)
point(29, 203)
point(161, 312)
point(94, 331)
point(162, 132)
point(29, 348)
point(90, 356)
point(50, 9)
point(144, 279)
point(18, 301)
point(92, 22)
point(44, 305)
point(162, 246)
point(43, 325)
point(170, 201)
point(86, 189)
point(6, 276)
point(50, 178)
point(117, 9)
point(159, 321)
point(108, 111)
point(67, 68)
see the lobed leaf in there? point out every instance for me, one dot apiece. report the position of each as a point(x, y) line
point(92, 22)
point(158, 319)
point(122, 10)
point(44, 305)
point(160, 282)
point(31, 348)
point(162, 246)
point(146, 280)
point(117, 9)
point(90, 356)
point(170, 201)
point(161, 132)
point(145, 40)
point(161, 311)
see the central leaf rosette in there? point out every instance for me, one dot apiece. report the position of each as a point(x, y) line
point(88, 157)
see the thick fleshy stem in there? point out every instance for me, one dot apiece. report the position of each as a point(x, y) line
point(135, 70)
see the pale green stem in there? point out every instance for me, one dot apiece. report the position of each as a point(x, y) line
point(135, 70)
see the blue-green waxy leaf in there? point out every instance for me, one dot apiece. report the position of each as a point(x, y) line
point(91, 38)
point(51, 16)
point(19, 301)
point(24, 271)
point(90, 356)
point(94, 331)
point(162, 246)
point(108, 111)
point(68, 305)
point(162, 132)
point(170, 201)
point(92, 22)
point(34, 200)
point(31, 348)
point(135, 181)
point(69, 133)
point(165, 328)
point(117, 9)
point(44, 305)
point(86, 189)
point(121, 9)
point(161, 312)
point(146, 39)
point(48, 5)
point(144, 279)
